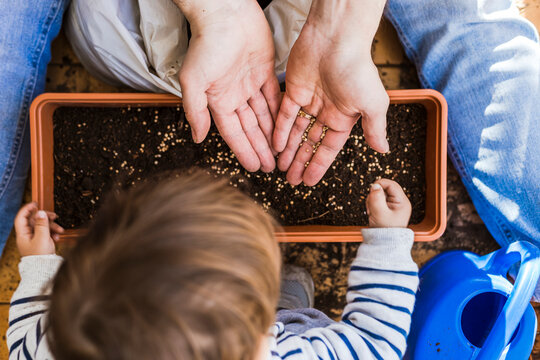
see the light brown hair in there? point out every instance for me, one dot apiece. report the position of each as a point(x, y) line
point(183, 268)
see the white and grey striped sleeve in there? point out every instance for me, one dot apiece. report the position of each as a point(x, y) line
point(380, 298)
point(28, 307)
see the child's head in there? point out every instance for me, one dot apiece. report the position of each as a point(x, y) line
point(185, 268)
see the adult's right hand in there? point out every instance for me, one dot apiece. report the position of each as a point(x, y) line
point(229, 69)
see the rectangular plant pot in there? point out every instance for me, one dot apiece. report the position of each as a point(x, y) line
point(431, 228)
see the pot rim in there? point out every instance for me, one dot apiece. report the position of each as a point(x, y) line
point(431, 228)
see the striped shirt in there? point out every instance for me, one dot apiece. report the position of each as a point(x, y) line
point(375, 323)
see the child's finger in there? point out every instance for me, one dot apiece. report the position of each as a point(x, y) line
point(55, 228)
point(41, 227)
point(52, 215)
point(22, 220)
point(393, 190)
point(376, 200)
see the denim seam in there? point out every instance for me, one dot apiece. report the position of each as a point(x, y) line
point(453, 152)
point(30, 88)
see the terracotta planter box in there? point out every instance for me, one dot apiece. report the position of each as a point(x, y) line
point(431, 228)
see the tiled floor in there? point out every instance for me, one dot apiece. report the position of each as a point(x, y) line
point(465, 229)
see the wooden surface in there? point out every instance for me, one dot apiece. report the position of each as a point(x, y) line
point(327, 263)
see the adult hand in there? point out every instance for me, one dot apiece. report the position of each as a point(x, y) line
point(330, 75)
point(36, 231)
point(229, 68)
point(387, 205)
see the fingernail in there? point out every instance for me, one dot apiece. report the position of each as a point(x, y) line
point(41, 214)
point(376, 186)
point(194, 135)
point(56, 237)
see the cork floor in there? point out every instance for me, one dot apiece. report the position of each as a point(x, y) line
point(328, 264)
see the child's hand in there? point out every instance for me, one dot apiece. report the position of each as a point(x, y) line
point(36, 231)
point(387, 205)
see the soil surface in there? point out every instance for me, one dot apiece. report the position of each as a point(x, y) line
point(96, 149)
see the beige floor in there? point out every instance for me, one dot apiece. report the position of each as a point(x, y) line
point(65, 74)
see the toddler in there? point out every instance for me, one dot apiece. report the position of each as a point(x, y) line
point(188, 268)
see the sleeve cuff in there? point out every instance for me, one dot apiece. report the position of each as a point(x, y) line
point(39, 269)
point(387, 248)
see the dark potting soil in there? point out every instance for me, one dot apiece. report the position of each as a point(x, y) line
point(96, 149)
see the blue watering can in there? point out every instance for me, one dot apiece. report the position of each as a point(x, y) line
point(467, 309)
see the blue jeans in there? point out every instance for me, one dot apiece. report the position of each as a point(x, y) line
point(27, 29)
point(485, 59)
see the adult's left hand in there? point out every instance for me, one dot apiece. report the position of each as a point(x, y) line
point(330, 75)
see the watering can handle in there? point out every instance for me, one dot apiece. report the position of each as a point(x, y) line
point(499, 262)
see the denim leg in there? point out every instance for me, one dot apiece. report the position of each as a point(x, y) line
point(485, 59)
point(27, 29)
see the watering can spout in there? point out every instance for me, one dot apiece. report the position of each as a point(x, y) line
point(467, 309)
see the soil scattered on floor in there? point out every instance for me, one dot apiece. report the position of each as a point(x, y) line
point(96, 149)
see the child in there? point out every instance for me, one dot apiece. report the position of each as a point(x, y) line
point(189, 269)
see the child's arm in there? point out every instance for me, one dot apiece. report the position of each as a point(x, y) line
point(383, 278)
point(28, 306)
point(36, 232)
point(382, 286)
point(381, 294)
